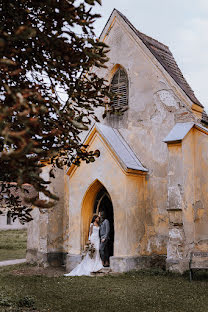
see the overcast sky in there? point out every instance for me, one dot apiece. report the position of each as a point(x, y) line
point(180, 24)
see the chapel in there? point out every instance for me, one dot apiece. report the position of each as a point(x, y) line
point(151, 176)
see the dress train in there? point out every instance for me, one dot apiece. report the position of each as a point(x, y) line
point(88, 264)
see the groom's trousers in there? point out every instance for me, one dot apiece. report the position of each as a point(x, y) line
point(104, 251)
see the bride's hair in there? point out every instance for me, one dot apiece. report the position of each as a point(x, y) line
point(93, 218)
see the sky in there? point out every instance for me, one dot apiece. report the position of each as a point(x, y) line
point(180, 24)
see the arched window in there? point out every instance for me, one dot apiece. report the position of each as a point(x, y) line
point(119, 86)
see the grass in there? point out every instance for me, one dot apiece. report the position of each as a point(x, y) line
point(142, 291)
point(13, 244)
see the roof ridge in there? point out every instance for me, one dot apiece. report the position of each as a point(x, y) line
point(161, 45)
point(167, 61)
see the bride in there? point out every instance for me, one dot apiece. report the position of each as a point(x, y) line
point(88, 264)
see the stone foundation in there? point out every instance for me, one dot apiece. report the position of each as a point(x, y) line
point(125, 264)
point(55, 259)
point(31, 256)
point(72, 261)
point(177, 266)
point(117, 264)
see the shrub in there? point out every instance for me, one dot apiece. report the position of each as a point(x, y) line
point(26, 301)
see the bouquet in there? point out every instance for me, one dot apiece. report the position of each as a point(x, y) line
point(90, 249)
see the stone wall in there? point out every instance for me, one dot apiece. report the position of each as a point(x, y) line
point(200, 206)
point(48, 232)
point(187, 199)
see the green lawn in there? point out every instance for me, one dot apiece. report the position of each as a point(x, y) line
point(13, 244)
point(144, 291)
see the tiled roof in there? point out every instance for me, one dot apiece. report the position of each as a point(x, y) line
point(166, 59)
point(122, 150)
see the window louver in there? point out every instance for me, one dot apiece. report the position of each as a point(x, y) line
point(119, 86)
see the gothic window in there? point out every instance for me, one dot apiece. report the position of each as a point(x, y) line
point(119, 86)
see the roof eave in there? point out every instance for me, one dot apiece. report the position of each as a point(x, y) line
point(180, 130)
point(136, 172)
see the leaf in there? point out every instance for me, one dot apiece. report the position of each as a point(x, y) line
point(90, 2)
point(43, 203)
point(51, 173)
point(6, 61)
point(78, 125)
point(97, 153)
point(91, 159)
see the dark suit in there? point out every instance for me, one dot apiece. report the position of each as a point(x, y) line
point(104, 234)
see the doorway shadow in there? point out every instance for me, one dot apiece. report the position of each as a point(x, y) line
point(103, 203)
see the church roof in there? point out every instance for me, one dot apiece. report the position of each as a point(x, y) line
point(117, 145)
point(122, 150)
point(180, 130)
point(165, 58)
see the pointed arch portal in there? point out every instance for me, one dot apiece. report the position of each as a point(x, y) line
point(98, 186)
point(96, 199)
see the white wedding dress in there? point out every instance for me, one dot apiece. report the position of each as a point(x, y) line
point(89, 265)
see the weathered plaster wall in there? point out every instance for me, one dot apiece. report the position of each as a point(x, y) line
point(200, 207)
point(55, 216)
point(187, 199)
point(37, 233)
point(180, 203)
point(33, 235)
point(188, 190)
point(136, 190)
point(155, 104)
point(175, 205)
point(48, 232)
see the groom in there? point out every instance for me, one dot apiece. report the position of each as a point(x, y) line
point(104, 239)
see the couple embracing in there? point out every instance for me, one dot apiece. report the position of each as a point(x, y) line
point(99, 238)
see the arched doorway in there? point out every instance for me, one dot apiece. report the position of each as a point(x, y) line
point(96, 200)
point(103, 203)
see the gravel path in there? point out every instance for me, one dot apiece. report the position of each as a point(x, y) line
point(12, 262)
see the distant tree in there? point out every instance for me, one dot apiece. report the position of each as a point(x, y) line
point(46, 47)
